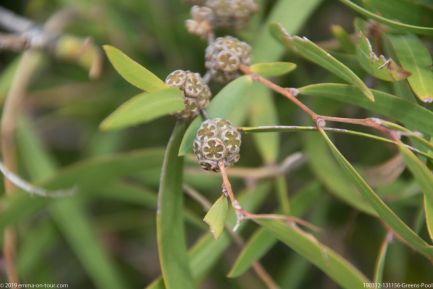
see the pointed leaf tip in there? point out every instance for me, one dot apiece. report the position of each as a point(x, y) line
point(132, 71)
point(216, 216)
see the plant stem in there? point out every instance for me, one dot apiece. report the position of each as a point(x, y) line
point(258, 268)
point(242, 214)
point(26, 68)
point(295, 128)
point(319, 120)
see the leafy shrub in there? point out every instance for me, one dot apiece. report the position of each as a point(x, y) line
point(336, 167)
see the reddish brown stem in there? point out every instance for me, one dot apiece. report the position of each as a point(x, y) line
point(242, 214)
point(319, 120)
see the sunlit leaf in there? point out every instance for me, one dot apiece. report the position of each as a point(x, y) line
point(144, 107)
point(216, 216)
point(415, 57)
point(133, 72)
point(270, 69)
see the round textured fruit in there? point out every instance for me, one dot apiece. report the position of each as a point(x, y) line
point(196, 92)
point(217, 140)
point(231, 13)
point(224, 56)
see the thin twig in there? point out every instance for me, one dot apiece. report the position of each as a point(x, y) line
point(26, 68)
point(319, 120)
point(196, 196)
point(290, 163)
point(242, 214)
point(257, 266)
point(296, 128)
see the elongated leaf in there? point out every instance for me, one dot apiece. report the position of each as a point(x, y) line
point(262, 241)
point(72, 221)
point(70, 216)
point(428, 209)
point(378, 66)
point(216, 216)
point(262, 111)
point(405, 11)
point(94, 173)
point(207, 250)
point(386, 214)
point(380, 261)
point(392, 23)
point(230, 103)
point(169, 222)
point(424, 178)
point(343, 38)
point(133, 72)
point(292, 14)
point(415, 57)
point(335, 266)
point(145, 107)
point(317, 55)
point(410, 114)
point(270, 69)
point(256, 247)
point(321, 163)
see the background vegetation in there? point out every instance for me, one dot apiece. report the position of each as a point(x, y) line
point(104, 235)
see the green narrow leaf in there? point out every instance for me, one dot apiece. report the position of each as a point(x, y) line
point(144, 107)
point(206, 251)
point(292, 14)
point(216, 216)
point(73, 222)
point(261, 241)
point(133, 72)
point(94, 173)
point(410, 114)
point(380, 261)
point(169, 222)
point(271, 69)
point(378, 66)
point(262, 111)
point(415, 57)
point(406, 11)
point(317, 55)
point(283, 194)
point(321, 163)
point(424, 178)
point(386, 214)
point(428, 209)
point(230, 103)
point(335, 266)
point(392, 23)
point(343, 38)
point(257, 246)
point(70, 216)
